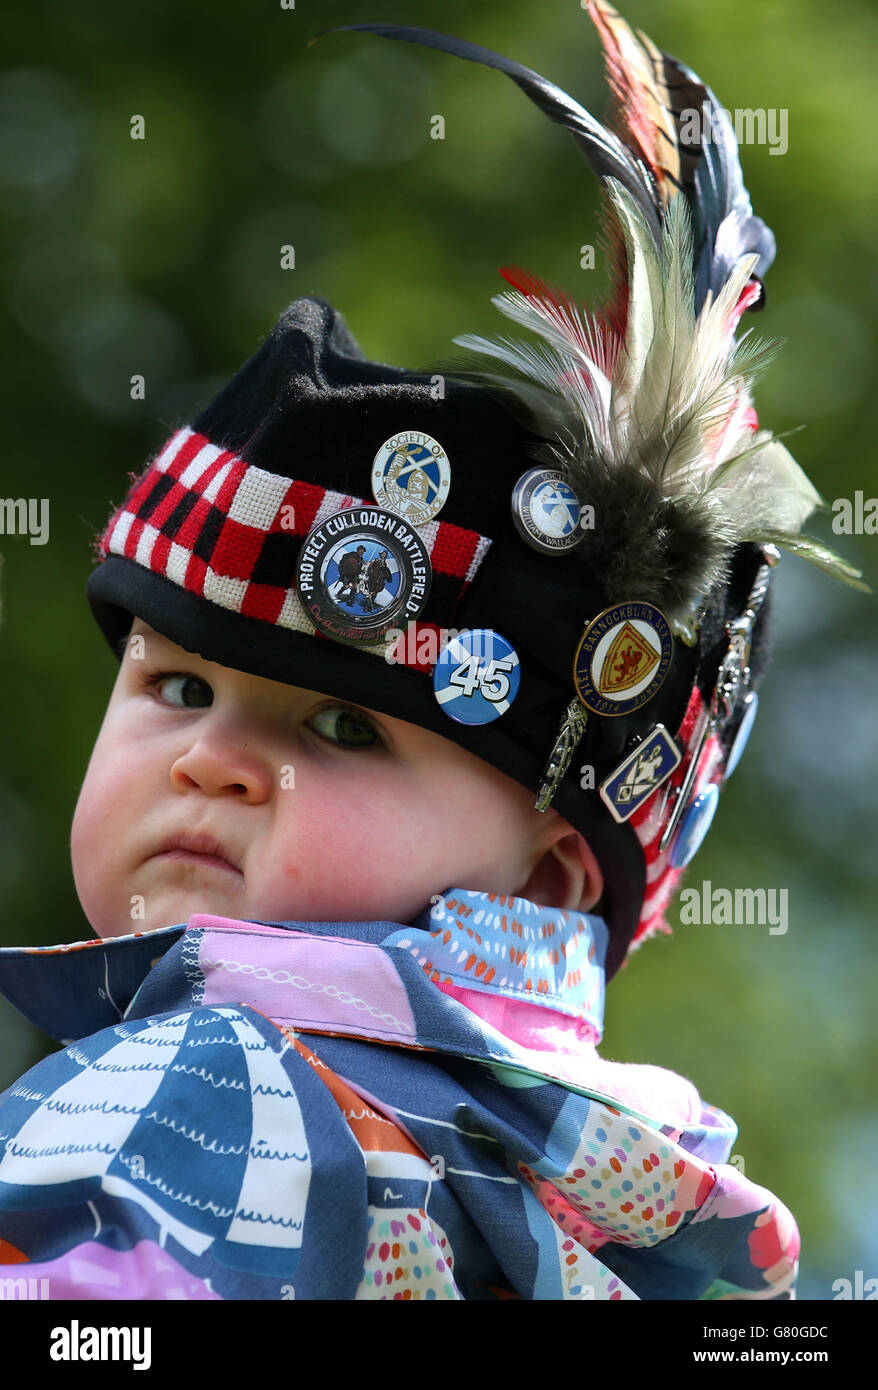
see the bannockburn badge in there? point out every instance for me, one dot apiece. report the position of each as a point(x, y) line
point(546, 511)
point(411, 476)
point(622, 658)
point(620, 663)
point(361, 571)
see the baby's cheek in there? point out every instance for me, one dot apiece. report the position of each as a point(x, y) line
point(91, 851)
point(85, 836)
point(114, 773)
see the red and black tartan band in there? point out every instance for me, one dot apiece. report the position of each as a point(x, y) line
point(230, 533)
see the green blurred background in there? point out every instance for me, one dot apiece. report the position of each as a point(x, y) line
point(162, 257)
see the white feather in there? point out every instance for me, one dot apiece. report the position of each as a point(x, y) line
point(667, 410)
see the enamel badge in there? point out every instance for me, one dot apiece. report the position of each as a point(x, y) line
point(546, 511)
point(361, 571)
point(751, 705)
point(622, 658)
point(477, 676)
point(638, 776)
point(411, 476)
point(694, 826)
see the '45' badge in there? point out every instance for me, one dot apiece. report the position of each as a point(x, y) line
point(476, 677)
point(622, 658)
point(411, 475)
point(362, 571)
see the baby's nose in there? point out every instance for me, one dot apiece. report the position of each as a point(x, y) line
point(224, 760)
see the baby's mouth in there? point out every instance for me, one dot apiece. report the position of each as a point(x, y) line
point(206, 861)
point(202, 850)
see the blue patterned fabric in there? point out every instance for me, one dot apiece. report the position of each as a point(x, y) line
point(364, 1110)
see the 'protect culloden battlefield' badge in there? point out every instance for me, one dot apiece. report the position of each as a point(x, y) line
point(622, 658)
point(546, 511)
point(411, 475)
point(361, 571)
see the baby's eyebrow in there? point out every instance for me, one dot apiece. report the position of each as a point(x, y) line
point(154, 638)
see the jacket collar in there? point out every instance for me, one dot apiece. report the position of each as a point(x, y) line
point(488, 951)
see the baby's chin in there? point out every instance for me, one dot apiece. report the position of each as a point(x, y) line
point(171, 910)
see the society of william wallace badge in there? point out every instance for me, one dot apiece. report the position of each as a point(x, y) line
point(411, 476)
point(361, 571)
point(546, 511)
point(622, 658)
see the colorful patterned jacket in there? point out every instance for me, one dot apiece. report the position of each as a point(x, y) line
point(355, 1110)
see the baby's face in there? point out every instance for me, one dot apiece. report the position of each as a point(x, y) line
point(324, 810)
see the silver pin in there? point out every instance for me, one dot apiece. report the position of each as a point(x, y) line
point(569, 735)
point(733, 673)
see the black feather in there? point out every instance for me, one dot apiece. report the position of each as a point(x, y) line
point(605, 152)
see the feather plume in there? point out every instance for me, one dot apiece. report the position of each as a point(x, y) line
point(608, 156)
point(650, 92)
point(656, 431)
point(673, 137)
point(647, 406)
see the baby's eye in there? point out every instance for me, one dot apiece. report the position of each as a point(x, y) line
point(346, 727)
point(186, 692)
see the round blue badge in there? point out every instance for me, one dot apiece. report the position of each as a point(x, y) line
point(411, 475)
point(751, 705)
point(546, 511)
point(696, 822)
point(477, 676)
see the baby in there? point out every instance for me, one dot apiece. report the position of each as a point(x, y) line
point(370, 825)
point(359, 871)
point(366, 1064)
